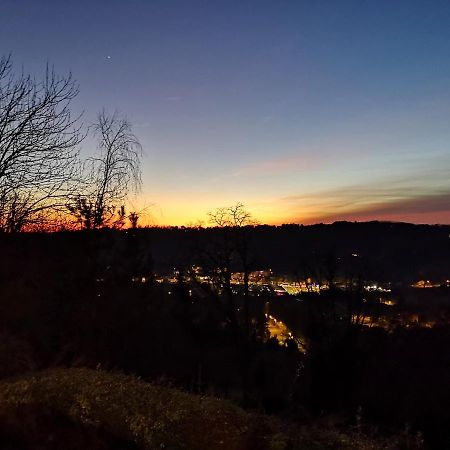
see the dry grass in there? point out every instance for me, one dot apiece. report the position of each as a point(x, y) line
point(155, 417)
point(151, 416)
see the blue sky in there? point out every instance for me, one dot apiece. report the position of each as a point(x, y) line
point(304, 110)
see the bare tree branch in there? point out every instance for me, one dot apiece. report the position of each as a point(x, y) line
point(38, 145)
point(110, 176)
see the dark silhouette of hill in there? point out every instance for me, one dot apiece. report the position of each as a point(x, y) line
point(397, 252)
point(392, 252)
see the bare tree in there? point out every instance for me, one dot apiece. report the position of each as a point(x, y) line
point(235, 223)
point(110, 176)
point(137, 214)
point(38, 145)
point(221, 256)
point(242, 221)
point(133, 217)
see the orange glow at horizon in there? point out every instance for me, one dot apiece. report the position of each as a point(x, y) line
point(195, 213)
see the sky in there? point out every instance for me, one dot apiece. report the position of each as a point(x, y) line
point(304, 110)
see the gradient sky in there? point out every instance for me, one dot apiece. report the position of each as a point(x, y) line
point(305, 111)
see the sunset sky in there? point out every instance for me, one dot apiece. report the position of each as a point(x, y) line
point(304, 110)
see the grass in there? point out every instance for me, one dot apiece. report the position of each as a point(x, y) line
point(155, 417)
point(152, 416)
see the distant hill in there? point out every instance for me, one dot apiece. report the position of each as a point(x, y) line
point(396, 252)
point(383, 251)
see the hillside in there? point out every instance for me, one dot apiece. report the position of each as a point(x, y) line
point(391, 252)
point(117, 411)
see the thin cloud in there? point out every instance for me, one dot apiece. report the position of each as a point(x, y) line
point(406, 198)
point(431, 206)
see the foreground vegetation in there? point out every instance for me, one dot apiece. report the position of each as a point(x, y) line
point(105, 410)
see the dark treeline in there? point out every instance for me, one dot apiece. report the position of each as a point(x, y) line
point(69, 299)
point(391, 252)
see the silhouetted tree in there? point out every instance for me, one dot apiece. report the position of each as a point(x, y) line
point(220, 257)
point(109, 176)
point(236, 223)
point(38, 145)
point(133, 217)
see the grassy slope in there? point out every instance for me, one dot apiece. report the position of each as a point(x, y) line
point(154, 417)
